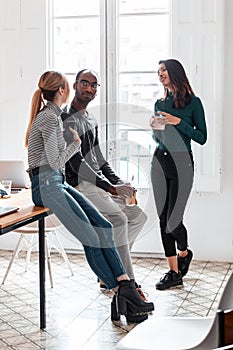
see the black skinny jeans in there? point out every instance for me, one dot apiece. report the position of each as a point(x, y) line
point(172, 180)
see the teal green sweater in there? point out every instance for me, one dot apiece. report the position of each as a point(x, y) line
point(177, 138)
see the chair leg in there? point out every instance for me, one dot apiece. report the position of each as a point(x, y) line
point(47, 252)
point(15, 252)
point(29, 251)
point(63, 253)
point(48, 257)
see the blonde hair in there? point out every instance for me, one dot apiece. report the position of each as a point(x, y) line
point(48, 85)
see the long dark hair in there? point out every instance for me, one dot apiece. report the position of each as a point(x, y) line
point(182, 91)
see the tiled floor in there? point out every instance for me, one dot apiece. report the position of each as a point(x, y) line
point(78, 313)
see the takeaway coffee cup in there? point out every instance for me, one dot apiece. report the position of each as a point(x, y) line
point(157, 122)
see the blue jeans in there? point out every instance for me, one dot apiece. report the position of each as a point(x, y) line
point(83, 220)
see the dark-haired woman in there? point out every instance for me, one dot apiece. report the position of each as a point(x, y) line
point(172, 165)
point(47, 156)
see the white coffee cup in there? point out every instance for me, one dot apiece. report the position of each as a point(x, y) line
point(157, 122)
point(6, 186)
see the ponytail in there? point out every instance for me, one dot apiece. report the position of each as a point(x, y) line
point(49, 84)
point(37, 103)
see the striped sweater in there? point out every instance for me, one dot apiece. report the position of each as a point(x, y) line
point(46, 144)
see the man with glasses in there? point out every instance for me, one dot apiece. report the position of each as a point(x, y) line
point(92, 175)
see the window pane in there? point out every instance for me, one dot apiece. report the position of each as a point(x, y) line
point(134, 6)
point(76, 44)
point(75, 37)
point(75, 7)
point(140, 89)
point(136, 147)
point(143, 42)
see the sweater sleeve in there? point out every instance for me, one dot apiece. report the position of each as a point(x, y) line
point(54, 143)
point(197, 132)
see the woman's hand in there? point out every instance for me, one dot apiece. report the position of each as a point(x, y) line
point(76, 137)
point(169, 118)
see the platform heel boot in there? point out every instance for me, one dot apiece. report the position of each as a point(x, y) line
point(115, 315)
point(128, 300)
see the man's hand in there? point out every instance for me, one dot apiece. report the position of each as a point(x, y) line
point(124, 190)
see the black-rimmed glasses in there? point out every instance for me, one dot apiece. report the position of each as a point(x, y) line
point(86, 83)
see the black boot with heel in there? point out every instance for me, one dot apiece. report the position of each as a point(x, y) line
point(115, 316)
point(127, 296)
point(128, 302)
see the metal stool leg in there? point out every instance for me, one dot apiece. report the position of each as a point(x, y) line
point(58, 246)
point(48, 257)
point(29, 251)
point(15, 252)
point(63, 253)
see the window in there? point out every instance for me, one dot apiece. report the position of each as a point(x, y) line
point(143, 40)
point(123, 41)
point(75, 36)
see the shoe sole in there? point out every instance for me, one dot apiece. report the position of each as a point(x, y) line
point(136, 319)
point(130, 318)
point(171, 287)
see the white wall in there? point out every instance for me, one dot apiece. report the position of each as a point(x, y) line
point(209, 216)
point(23, 59)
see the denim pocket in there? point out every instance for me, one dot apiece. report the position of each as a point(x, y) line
point(44, 183)
point(48, 178)
point(36, 196)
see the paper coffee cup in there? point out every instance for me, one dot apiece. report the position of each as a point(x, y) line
point(157, 122)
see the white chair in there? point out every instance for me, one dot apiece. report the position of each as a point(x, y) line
point(29, 240)
point(178, 333)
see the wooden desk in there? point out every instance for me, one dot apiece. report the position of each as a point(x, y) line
point(26, 214)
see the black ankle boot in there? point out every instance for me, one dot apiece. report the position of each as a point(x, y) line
point(128, 300)
point(139, 290)
point(115, 316)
